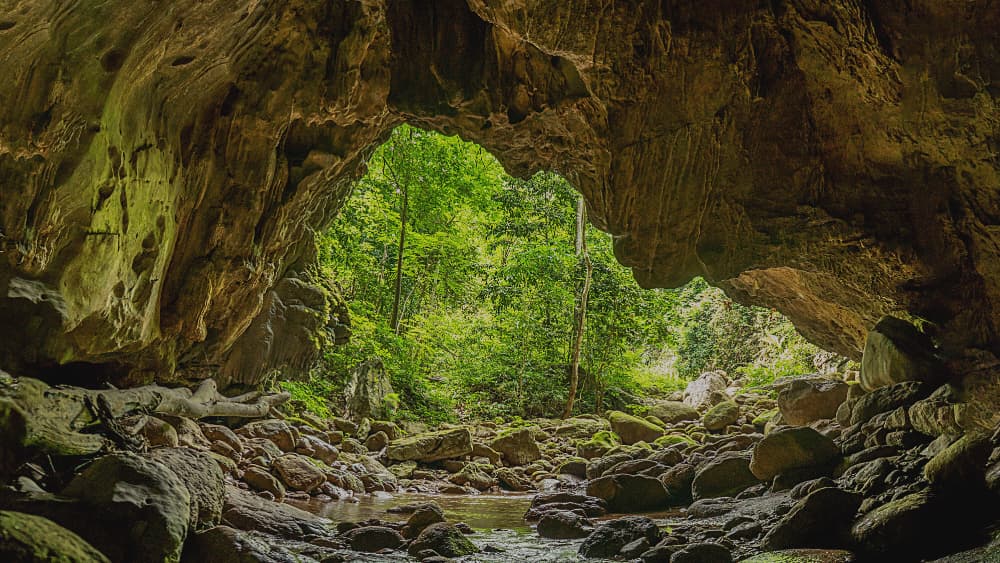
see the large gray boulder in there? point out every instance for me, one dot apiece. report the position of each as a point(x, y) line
point(791, 448)
point(671, 412)
point(810, 399)
point(700, 392)
point(517, 446)
point(724, 476)
point(204, 481)
point(146, 504)
point(366, 391)
point(895, 351)
point(431, 446)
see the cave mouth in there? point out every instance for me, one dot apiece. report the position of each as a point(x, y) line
point(463, 285)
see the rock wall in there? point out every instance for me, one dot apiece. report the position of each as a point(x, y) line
point(161, 166)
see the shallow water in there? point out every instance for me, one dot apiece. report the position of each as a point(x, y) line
point(497, 519)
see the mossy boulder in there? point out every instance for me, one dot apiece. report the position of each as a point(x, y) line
point(672, 439)
point(724, 476)
point(721, 415)
point(432, 446)
point(763, 418)
point(598, 445)
point(672, 412)
point(445, 539)
point(629, 493)
point(791, 448)
point(33, 539)
point(581, 427)
point(518, 446)
point(633, 429)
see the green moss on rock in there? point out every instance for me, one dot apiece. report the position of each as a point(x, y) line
point(29, 538)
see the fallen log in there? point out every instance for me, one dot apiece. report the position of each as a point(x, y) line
point(61, 421)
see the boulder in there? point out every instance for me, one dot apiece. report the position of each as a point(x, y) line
point(246, 511)
point(224, 544)
point(804, 556)
point(810, 399)
point(431, 446)
point(906, 526)
point(599, 444)
point(217, 432)
point(791, 448)
point(482, 450)
point(610, 537)
point(423, 515)
point(581, 427)
point(320, 449)
point(885, 399)
point(147, 506)
point(276, 431)
point(204, 481)
point(632, 429)
point(939, 414)
point(391, 429)
point(562, 525)
point(371, 539)
point(962, 465)
point(475, 475)
point(629, 493)
point(719, 416)
point(512, 480)
point(517, 446)
point(678, 481)
point(377, 441)
point(444, 539)
point(159, 433)
point(726, 475)
point(33, 539)
point(298, 472)
point(261, 479)
point(366, 391)
point(822, 519)
point(672, 412)
point(895, 351)
point(700, 392)
point(702, 553)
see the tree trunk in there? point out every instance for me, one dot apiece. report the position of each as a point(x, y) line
point(398, 289)
point(581, 309)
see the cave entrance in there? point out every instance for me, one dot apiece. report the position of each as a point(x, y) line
point(465, 287)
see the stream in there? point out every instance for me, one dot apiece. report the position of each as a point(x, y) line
point(497, 519)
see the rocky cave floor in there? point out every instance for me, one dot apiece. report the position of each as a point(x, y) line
point(822, 473)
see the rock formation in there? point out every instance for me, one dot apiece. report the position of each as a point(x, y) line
point(161, 167)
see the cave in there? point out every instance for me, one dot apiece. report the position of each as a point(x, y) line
point(162, 168)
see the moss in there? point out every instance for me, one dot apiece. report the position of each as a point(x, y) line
point(764, 417)
point(25, 537)
point(671, 439)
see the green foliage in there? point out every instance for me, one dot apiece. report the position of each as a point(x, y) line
point(312, 394)
point(489, 282)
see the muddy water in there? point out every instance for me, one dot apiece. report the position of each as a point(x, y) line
point(497, 519)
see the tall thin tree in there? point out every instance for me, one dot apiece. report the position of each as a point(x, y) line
point(580, 316)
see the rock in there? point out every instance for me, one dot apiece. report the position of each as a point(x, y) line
point(216, 432)
point(366, 391)
point(261, 479)
point(298, 473)
point(224, 544)
point(698, 393)
point(610, 537)
point(145, 503)
point(444, 539)
point(321, 449)
point(159, 433)
point(582, 427)
point(632, 429)
point(905, 526)
point(678, 481)
point(33, 539)
point(474, 475)
point(482, 450)
point(246, 511)
point(346, 427)
point(391, 429)
point(961, 465)
point(403, 469)
point(518, 446)
point(702, 553)
point(804, 556)
point(807, 400)
point(629, 493)
point(204, 481)
point(672, 412)
point(562, 524)
point(791, 448)
point(422, 516)
point(885, 399)
point(432, 446)
point(895, 351)
point(598, 445)
point(188, 432)
point(574, 466)
point(276, 431)
point(822, 519)
point(371, 539)
point(511, 480)
point(939, 414)
point(719, 416)
point(377, 441)
point(724, 476)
